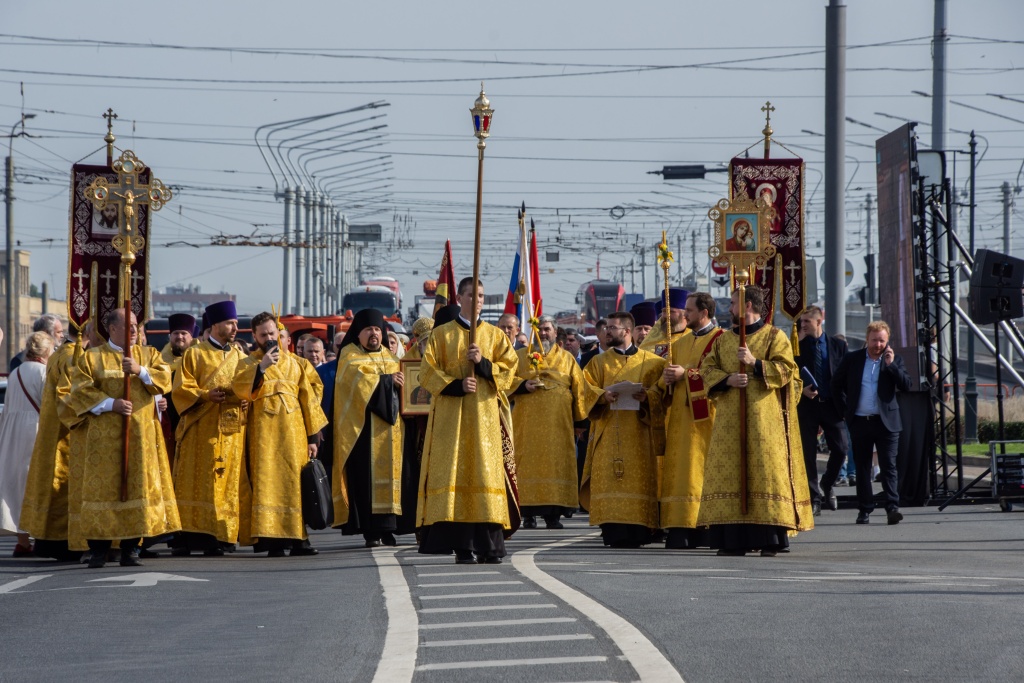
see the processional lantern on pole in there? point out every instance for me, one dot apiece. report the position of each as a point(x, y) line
point(742, 239)
point(127, 195)
point(482, 114)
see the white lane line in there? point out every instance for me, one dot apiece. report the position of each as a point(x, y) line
point(498, 622)
point(18, 583)
point(455, 596)
point(495, 663)
point(398, 658)
point(421, 575)
point(641, 653)
point(501, 641)
point(469, 583)
point(483, 608)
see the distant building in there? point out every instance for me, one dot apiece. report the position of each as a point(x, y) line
point(27, 307)
point(184, 299)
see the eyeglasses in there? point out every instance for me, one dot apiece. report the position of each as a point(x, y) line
point(610, 328)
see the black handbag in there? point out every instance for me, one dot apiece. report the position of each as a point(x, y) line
point(317, 503)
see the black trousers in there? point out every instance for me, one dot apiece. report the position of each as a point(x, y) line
point(104, 545)
point(813, 413)
point(869, 434)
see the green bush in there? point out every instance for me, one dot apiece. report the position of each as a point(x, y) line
point(988, 430)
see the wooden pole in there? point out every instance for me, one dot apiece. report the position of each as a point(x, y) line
point(741, 279)
point(476, 245)
point(126, 291)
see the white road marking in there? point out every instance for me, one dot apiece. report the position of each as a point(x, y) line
point(476, 595)
point(469, 583)
point(146, 579)
point(458, 574)
point(498, 622)
point(641, 653)
point(502, 641)
point(483, 608)
point(398, 658)
point(12, 586)
point(494, 663)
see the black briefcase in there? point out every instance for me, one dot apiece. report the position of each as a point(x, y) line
point(317, 503)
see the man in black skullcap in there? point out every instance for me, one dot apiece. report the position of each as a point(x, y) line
point(367, 433)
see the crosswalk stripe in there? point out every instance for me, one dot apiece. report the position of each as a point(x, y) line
point(483, 608)
point(494, 663)
point(498, 622)
point(507, 639)
point(476, 595)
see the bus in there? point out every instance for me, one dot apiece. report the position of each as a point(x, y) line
point(597, 298)
point(382, 298)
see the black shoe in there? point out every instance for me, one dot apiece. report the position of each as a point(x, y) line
point(372, 543)
point(464, 557)
point(389, 539)
point(276, 553)
point(147, 554)
point(554, 525)
point(489, 560)
point(529, 522)
point(97, 560)
point(128, 559)
point(863, 518)
point(769, 553)
point(831, 502)
point(894, 516)
point(816, 508)
point(568, 515)
point(851, 480)
point(181, 551)
point(302, 551)
point(731, 553)
point(213, 552)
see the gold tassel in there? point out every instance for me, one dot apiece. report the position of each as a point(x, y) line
point(794, 338)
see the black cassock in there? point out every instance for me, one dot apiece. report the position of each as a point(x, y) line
point(359, 474)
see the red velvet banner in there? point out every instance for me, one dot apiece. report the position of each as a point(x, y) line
point(93, 263)
point(781, 182)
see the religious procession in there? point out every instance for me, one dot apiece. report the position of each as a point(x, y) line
point(668, 429)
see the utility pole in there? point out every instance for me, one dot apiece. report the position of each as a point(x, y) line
point(11, 282)
point(835, 158)
point(971, 383)
point(643, 271)
point(286, 302)
point(307, 276)
point(300, 253)
point(693, 255)
point(1007, 349)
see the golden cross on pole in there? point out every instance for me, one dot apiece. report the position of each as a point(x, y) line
point(109, 137)
point(127, 195)
point(767, 109)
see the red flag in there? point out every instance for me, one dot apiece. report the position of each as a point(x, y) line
point(445, 280)
point(535, 275)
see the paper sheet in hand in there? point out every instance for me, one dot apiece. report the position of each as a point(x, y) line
point(625, 390)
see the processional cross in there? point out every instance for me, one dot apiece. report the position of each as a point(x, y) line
point(127, 195)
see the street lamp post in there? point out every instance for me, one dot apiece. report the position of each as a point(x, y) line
point(11, 279)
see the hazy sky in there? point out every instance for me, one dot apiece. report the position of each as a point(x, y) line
point(664, 82)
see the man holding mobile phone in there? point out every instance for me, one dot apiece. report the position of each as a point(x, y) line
point(864, 388)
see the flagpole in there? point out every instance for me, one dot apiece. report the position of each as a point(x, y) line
point(482, 113)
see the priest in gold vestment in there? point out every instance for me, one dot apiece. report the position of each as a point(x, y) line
point(210, 438)
point(620, 474)
point(95, 408)
point(463, 502)
point(689, 416)
point(656, 340)
point(550, 396)
point(285, 417)
point(44, 511)
point(367, 478)
point(778, 497)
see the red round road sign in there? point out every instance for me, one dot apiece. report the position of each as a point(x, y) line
point(720, 268)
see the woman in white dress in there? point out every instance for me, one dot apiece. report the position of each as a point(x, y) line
point(18, 426)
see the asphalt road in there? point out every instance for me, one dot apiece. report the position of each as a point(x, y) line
point(938, 597)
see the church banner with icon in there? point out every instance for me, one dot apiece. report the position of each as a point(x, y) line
point(780, 184)
point(93, 260)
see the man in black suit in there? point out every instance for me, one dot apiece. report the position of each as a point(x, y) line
point(864, 388)
point(602, 343)
point(819, 358)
